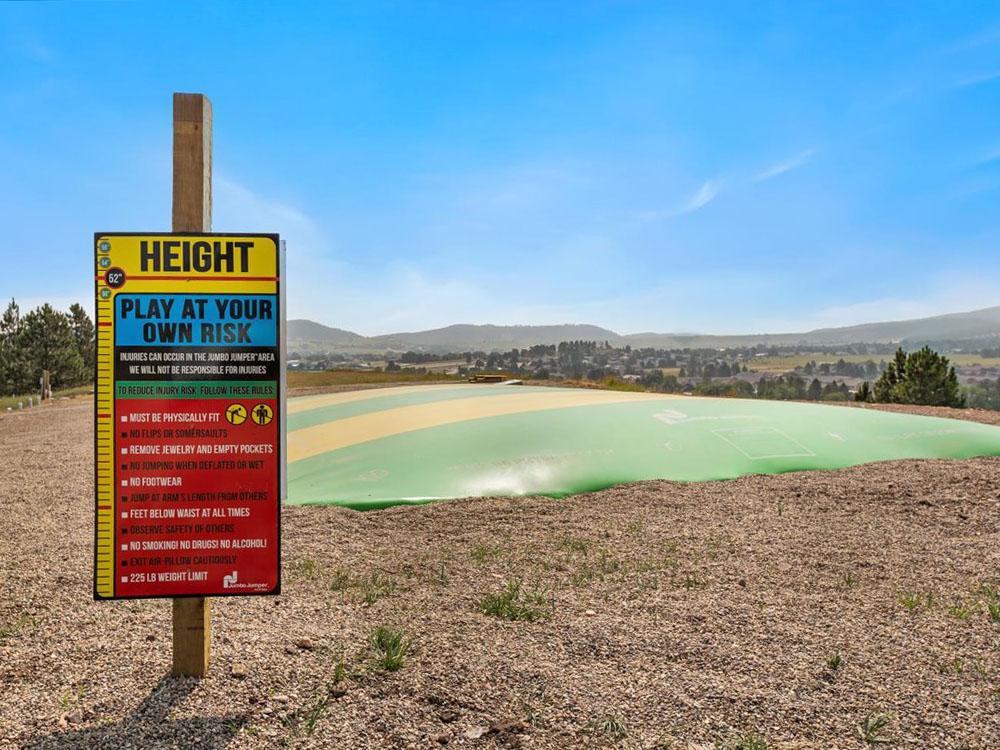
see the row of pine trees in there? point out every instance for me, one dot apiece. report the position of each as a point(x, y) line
point(45, 339)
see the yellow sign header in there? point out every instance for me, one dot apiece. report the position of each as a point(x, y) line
point(186, 257)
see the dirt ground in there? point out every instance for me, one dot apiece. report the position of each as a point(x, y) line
point(795, 611)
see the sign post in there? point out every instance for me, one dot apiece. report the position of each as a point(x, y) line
point(192, 212)
point(188, 406)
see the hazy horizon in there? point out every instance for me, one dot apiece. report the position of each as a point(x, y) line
point(636, 333)
point(727, 170)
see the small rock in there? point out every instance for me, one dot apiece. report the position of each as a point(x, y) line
point(440, 739)
point(239, 671)
point(590, 613)
point(447, 715)
point(279, 698)
point(339, 690)
point(511, 726)
point(150, 638)
point(75, 717)
point(306, 644)
point(742, 582)
point(474, 733)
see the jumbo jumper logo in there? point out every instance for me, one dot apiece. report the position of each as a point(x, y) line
point(231, 581)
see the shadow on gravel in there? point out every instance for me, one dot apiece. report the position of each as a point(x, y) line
point(148, 726)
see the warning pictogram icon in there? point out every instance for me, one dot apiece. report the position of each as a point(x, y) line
point(262, 414)
point(236, 414)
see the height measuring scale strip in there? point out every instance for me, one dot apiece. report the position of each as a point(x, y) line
point(104, 439)
point(189, 415)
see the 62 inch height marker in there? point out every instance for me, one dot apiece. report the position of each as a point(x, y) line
point(188, 415)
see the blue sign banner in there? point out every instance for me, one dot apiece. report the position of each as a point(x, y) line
point(195, 320)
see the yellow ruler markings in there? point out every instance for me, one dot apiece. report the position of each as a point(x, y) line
point(105, 442)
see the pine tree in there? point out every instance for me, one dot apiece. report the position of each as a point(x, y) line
point(923, 377)
point(815, 392)
point(864, 393)
point(46, 341)
point(929, 380)
point(83, 334)
point(885, 386)
point(11, 360)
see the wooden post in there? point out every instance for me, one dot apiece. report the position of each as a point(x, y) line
point(192, 212)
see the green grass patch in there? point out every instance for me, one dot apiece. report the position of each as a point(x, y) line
point(484, 553)
point(368, 588)
point(962, 610)
point(19, 624)
point(514, 602)
point(749, 740)
point(305, 568)
point(390, 648)
point(375, 586)
point(873, 728)
point(914, 600)
point(572, 544)
point(990, 591)
point(595, 569)
point(612, 727)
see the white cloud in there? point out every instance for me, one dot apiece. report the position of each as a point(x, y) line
point(343, 292)
point(977, 79)
point(236, 208)
point(705, 195)
point(707, 192)
point(787, 165)
point(988, 157)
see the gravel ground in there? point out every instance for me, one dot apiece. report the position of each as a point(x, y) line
point(668, 615)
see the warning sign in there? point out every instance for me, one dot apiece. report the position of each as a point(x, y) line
point(189, 415)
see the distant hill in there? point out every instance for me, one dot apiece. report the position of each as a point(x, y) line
point(306, 334)
point(308, 330)
point(464, 337)
point(952, 327)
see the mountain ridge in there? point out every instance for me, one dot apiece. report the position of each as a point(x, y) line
point(974, 324)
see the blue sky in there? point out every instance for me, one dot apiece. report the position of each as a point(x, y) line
point(716, 167)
